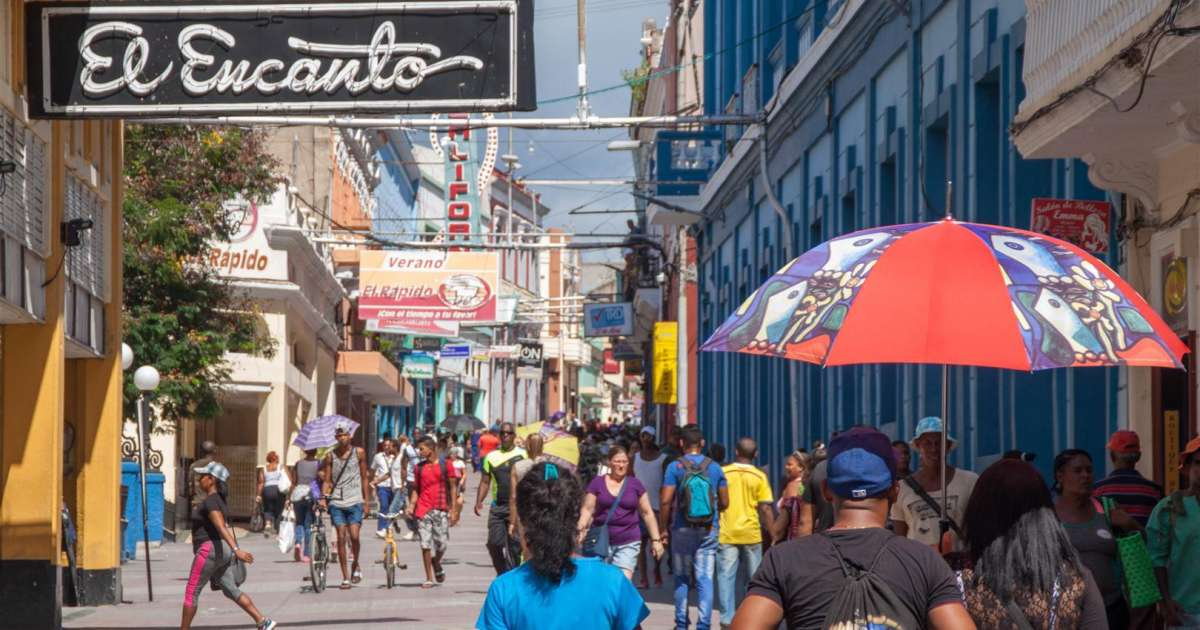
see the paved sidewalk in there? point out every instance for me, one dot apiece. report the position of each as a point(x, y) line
point(279, 588)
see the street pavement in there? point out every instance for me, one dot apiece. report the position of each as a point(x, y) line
point(279, 589)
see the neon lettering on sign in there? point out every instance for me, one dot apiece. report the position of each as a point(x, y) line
point(462, 187)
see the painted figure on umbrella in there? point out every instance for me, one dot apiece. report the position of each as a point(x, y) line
point(1069, 312)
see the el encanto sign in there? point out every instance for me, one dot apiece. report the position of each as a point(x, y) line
point(110, 59)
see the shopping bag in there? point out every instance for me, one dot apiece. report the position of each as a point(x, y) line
point(287, 531)
point(1141, 586)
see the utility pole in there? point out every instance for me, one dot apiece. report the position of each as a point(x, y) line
point(584, 109)
point(681, 405)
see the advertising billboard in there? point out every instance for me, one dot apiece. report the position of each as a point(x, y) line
point(666, 360)
point(1087, 224)
point(411, 289)
point(608, 320)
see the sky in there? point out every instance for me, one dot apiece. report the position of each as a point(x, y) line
point(614, 31)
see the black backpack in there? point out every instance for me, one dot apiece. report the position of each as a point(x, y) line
point(866, 601)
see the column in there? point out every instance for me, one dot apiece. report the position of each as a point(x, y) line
point(98, 415)
point(31, 429)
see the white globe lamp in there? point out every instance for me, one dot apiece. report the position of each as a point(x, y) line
point(126, 356)
point(146, 378)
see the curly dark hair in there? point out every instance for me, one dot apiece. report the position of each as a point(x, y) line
point(549, 498)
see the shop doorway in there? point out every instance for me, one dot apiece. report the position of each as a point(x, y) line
point(1174, 413)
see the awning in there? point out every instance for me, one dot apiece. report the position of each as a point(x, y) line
point(372, 376)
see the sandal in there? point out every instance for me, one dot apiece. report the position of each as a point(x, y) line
point(345, 585)
point(356, 575)
point(426, 584)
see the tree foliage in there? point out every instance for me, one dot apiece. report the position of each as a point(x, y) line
point(180, 316)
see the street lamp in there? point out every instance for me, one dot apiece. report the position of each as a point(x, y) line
point(146, 379)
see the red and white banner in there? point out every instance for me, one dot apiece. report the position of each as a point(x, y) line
point(1087, 224)
point(414, 288)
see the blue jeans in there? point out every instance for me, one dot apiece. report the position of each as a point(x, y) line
point(385, 501)
point(731, 590)
point(693, 552)
point(304, 520)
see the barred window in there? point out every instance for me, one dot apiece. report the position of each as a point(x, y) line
point(24, 199)
point(87, 265)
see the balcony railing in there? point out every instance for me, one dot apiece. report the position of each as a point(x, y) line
point(1068, 39)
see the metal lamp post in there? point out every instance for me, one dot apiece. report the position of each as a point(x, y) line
point(146, 379)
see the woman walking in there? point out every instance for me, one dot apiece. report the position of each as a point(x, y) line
point(1019, 569)
point(216, 548)
point(620, 498)
point(304, 497)
point(795, 518)
point(1089, 530)
point(555, 588)
point(271, 489)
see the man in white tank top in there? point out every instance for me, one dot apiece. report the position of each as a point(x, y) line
point(648, 468)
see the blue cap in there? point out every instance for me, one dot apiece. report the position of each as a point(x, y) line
point(216, 469)
point(861, 464)
point(930, 424)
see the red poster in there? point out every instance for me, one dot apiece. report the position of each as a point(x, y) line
point(611, 366)
point(1087, 224)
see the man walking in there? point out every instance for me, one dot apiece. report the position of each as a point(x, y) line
point(346, 489)
point(694, 493)
point(648, 468)
point(750, 501)
point(496, 482)
point(1133, 493)
point(435, 500)
point(801, 580)
point(918, 509)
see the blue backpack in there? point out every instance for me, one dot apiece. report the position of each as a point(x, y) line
point(697, 496)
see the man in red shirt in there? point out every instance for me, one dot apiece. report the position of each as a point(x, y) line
point(434, 497)
point(489, 441)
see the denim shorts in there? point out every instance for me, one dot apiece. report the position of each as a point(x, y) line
point(624, 556)
point(342, 516)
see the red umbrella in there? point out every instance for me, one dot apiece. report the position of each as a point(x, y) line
point(950, 293)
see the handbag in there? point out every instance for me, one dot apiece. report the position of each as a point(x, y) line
point(258, 521)
point(285, 482)
point(595, 543)
point(1141, 586)
point(287, 530)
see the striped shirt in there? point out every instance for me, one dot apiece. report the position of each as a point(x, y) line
point(1133, 493)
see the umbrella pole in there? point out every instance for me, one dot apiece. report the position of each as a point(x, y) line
point(944, 521)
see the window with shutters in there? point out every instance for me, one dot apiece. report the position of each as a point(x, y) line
point(24, 194)
point(87, 265)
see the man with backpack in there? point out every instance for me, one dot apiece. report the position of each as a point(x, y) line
point(693, 495)
point(435, 497)
point(856, 574)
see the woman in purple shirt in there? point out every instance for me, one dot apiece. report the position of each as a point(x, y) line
point(624, 534)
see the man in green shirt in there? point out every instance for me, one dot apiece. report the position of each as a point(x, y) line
point(496, 482)
point(1174, 530)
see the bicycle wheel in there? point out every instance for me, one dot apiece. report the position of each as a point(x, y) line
point(389, 564)
point(316, 567)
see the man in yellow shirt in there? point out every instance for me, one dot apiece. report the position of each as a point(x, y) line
point(741, 532)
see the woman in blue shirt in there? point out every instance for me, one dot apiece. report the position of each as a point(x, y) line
point(555, 588)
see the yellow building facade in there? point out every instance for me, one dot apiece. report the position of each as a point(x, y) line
point(60, 370)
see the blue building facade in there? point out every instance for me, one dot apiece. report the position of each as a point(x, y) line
point(873, 108)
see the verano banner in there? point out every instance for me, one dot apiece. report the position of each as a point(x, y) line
point(412, 288)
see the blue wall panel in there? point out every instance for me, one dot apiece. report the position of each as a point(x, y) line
point(897, 107)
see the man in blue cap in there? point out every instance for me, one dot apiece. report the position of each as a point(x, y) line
point(918, 509)
point(800, 582)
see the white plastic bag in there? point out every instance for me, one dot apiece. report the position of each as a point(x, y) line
point(287, 531)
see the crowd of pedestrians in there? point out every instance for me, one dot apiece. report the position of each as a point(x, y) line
point(853, 535)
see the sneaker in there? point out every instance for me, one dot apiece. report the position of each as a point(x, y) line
point(407, 535)
point(379, 533)
point(267, 624)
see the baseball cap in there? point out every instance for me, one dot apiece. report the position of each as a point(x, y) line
point(341, 427)
point(216, 469)
point(1125, 442)
point(930, 424)
point(1193, 447)
point(861, 464)
point(649, 430)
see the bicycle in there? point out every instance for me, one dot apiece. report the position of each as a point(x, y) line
point(391, 551)
point(319, 560)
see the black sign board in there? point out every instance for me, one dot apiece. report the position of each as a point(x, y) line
point(427, 344)
point(531, 355)
point(121, 59)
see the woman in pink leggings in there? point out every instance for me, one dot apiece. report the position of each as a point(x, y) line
point(215, 547)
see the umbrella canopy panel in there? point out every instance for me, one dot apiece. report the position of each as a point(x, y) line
point(950, 293)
